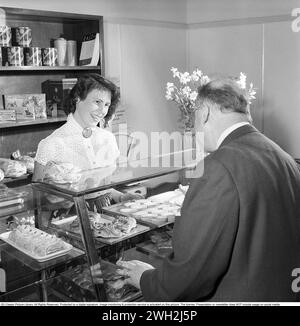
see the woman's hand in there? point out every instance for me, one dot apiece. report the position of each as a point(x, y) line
point(128, 196)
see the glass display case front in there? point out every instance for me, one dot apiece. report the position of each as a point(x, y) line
point(81, 232)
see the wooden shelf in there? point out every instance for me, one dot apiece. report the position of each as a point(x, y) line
point(47, 68)
point(31, 122)
point(26, 177)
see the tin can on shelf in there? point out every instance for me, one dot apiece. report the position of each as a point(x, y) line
point(22, 36)
point(5, 35)
point(61, 45)
point(4, 56)
point(49, 57)
point(33, 56)
point(15, 56)
point(71, 53)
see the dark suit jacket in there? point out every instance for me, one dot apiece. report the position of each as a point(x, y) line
point(238, 235)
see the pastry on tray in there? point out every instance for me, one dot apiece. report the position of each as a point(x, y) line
point(114, 228)
point(36, 242)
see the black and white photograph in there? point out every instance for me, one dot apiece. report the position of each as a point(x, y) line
point(150, 155)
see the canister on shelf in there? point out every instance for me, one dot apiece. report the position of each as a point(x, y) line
point(22, 36)
point(49, 57)
point(15, 56)
point(61, 46)
point(72, 53)
point(5, 35)
point(4, 56)
point(32, 56)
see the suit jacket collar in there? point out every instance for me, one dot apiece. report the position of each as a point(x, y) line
point(238, 133)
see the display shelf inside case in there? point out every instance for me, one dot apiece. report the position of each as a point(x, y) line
point(76, 284)
point(67, 227)
point(65, 250)
point(36, 265)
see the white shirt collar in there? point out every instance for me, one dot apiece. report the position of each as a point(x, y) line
point(229, 130)
point(75, 126)
point(73, 123)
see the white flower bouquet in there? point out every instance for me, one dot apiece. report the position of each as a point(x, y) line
point(185, 92)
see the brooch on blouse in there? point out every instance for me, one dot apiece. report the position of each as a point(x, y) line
point(87, 132)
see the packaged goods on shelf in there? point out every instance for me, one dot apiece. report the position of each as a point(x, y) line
point(8, 115)
point(5, 35)
point(90, 50)
point(15, 56)
point(49, 57)
point(22, 36)
point(57, 90)
point(33, 56)
point(27, 106)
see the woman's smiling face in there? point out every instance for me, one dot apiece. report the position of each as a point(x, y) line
point(94, 107)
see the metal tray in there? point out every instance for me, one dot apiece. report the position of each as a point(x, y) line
point(116, 209)
point(137, 230)
point(4, 237)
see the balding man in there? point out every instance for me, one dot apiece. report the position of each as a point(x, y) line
point(238, 235)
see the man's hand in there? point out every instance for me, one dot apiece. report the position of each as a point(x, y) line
point(133, 270)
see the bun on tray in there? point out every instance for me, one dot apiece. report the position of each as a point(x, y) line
point(28, 161)
point(11, 168)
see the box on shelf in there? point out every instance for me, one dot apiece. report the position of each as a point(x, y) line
point(7, 115)
point(90, 50)
point(56, 92)
point(27, 106)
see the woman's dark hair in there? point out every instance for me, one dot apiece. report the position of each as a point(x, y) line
point(85, 85)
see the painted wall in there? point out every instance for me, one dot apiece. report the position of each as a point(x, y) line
point(157, 10)
point(282, 85)
point(240, 35)
point(230, 50)
point(220, 10)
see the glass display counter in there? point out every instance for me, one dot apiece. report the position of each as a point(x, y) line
point(74, 210)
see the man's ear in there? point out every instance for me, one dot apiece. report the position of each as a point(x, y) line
point(205, 115)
